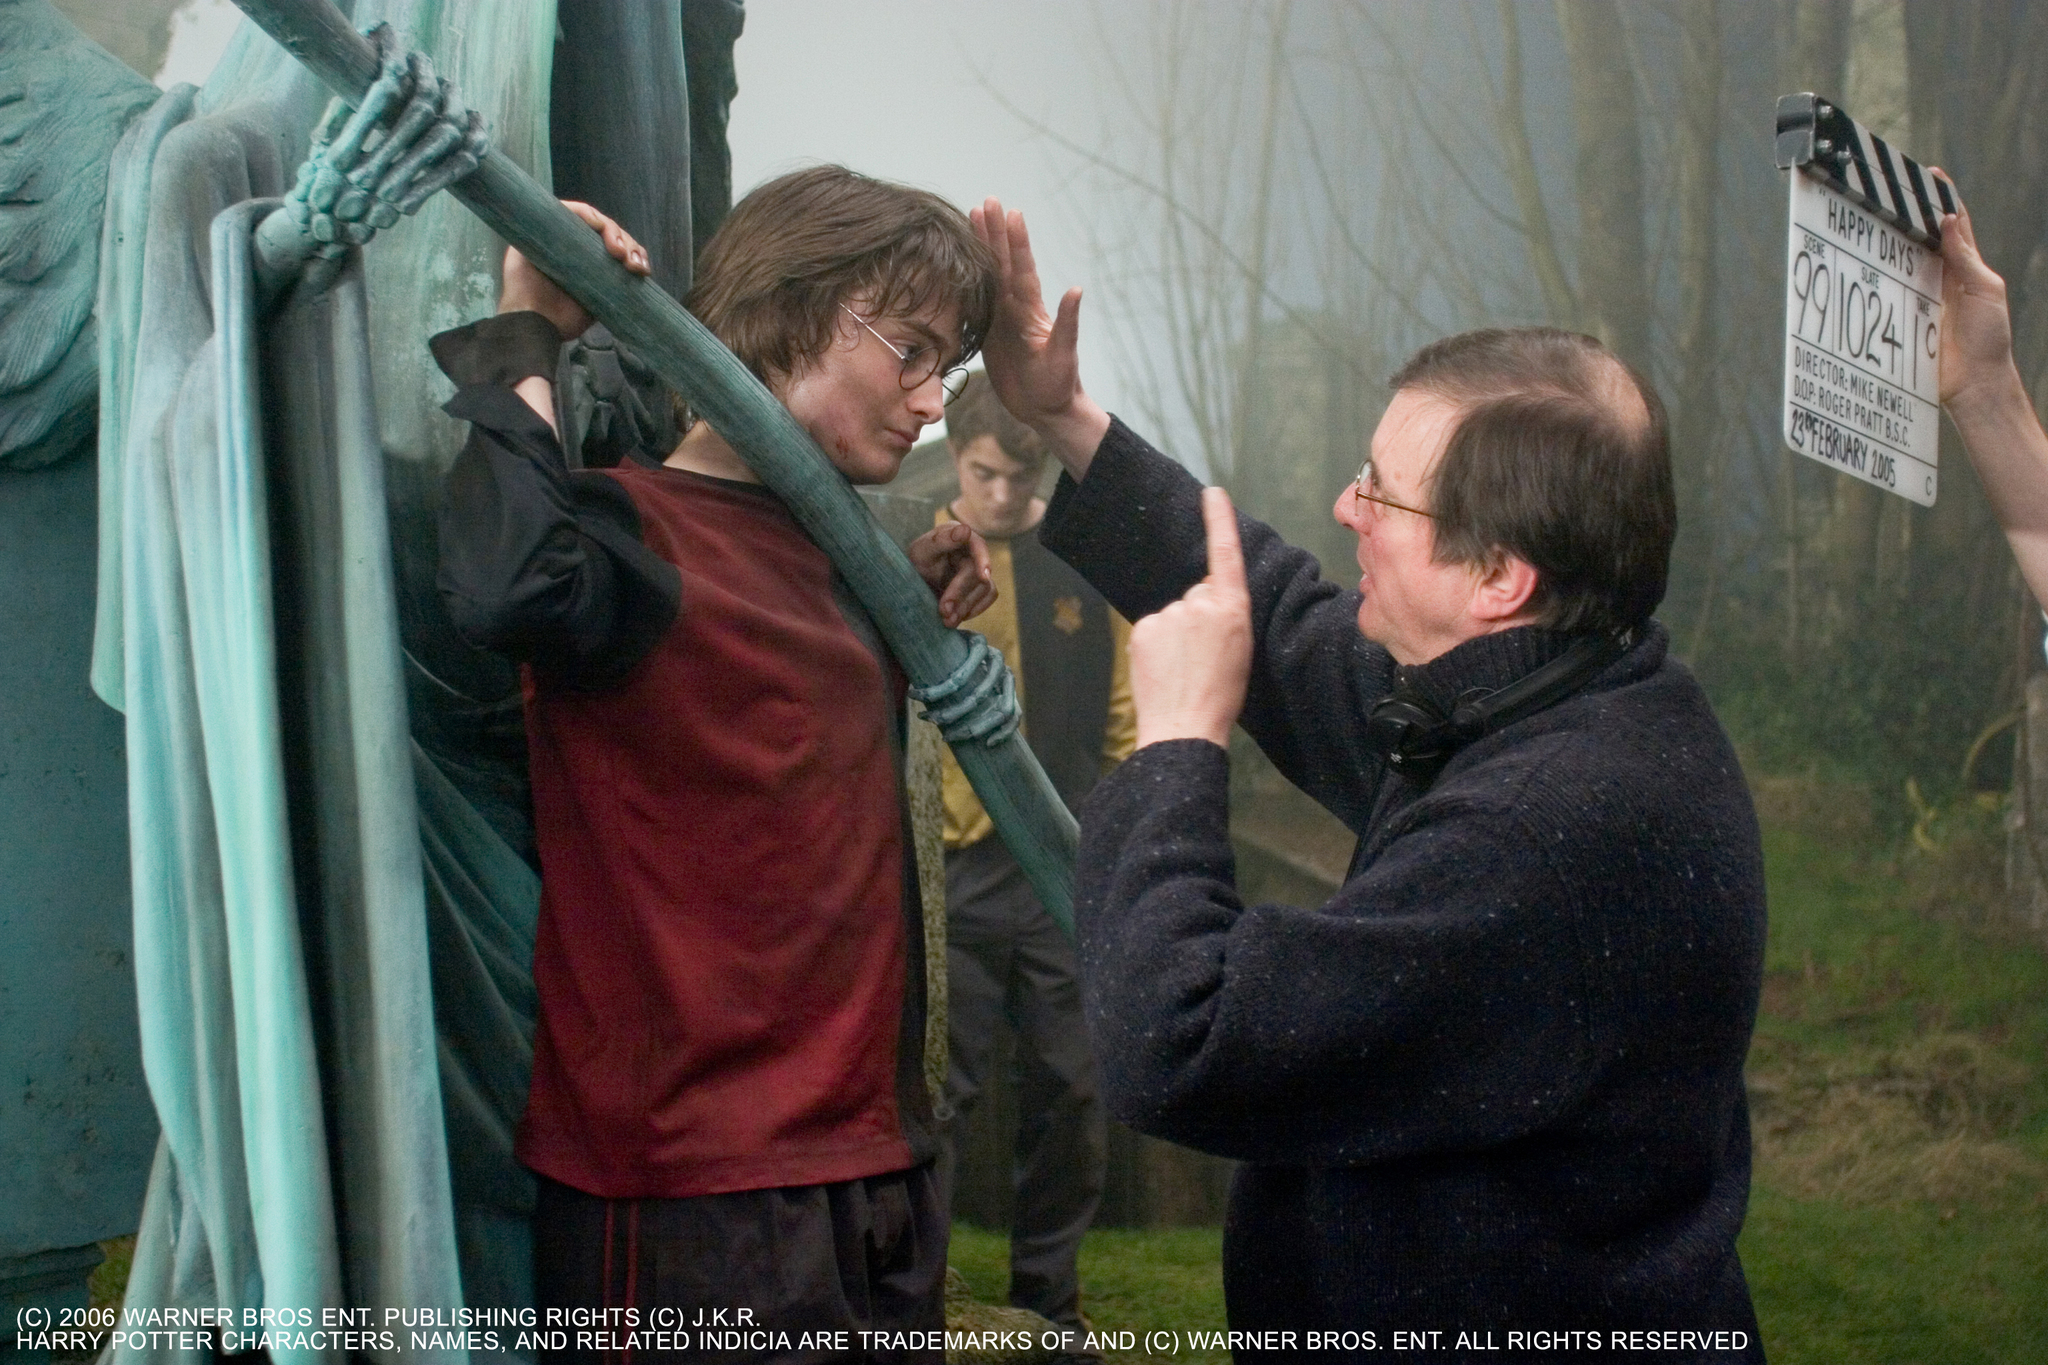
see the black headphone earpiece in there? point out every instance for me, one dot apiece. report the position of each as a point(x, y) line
point(1408, 730)
point(1417, 738)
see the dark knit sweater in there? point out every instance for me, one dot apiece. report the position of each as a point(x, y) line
point(1495, 1084)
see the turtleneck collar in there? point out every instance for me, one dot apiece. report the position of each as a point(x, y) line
point(1485, 663)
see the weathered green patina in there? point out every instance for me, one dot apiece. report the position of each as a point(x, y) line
point(333, 917)
point(1020, 799)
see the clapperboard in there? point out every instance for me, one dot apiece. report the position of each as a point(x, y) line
point(1862, 300)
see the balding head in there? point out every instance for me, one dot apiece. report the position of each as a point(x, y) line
point(1562, 457)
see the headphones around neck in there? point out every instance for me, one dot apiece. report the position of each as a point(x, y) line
point(1417, 738)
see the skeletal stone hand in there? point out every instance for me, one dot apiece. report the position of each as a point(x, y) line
point(369, 166)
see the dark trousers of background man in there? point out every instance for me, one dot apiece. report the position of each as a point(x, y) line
point(1009, 961)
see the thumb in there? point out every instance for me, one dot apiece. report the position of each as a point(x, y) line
point(1066, 324)
point(1226, 552)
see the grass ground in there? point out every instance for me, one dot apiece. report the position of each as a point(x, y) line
point(1165, 1279)
point(1899, 1088)
point(1899, 1083)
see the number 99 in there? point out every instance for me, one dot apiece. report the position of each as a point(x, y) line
point(1811, 284)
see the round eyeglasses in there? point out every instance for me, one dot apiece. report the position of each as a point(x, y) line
point(919, 363)
point(1367, 479)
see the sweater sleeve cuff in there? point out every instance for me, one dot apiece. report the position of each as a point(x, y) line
point(499, 350)
point(1186, 779)
point(1077, 498)
point(1133, 526)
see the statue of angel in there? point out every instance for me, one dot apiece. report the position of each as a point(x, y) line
point(325, 816)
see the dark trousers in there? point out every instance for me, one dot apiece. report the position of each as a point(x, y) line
point(748, 1274)
point(1007, 960)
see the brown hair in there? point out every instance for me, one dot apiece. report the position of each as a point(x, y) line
point(1550, 461)
point(977, 412)
point(770, 281)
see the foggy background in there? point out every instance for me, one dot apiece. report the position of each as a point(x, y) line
point(1270, 203)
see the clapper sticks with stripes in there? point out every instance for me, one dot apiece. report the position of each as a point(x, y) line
point(1818, 137)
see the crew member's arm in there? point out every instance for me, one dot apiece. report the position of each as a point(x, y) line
point(1982, 392)
point(1436, 993)
point(1134, 529)
point(1418, 981)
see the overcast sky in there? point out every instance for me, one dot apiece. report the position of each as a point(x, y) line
point(915, 90)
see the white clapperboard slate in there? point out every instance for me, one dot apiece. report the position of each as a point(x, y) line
point(1862, 301)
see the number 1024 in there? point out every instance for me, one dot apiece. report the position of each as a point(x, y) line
point(1853, 318)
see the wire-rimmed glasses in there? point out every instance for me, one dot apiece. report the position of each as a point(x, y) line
point(1366, 479)
point(919, 363)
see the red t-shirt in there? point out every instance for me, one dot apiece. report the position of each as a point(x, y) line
point(721, 949)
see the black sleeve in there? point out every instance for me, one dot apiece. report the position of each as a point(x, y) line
point(1450, 1009)
point(537, 563)
point(1134, 529)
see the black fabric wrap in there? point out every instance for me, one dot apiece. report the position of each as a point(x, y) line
point(499, 350)
point(541, 564)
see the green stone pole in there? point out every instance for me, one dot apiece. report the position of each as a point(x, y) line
point(1020, 799)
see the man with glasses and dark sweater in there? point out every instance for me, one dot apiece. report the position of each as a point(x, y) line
point(1490, 1095)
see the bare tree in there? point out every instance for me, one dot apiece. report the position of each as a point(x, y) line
point(1245, 420)
point(1614, 292)
point(1696, 433)
point(1319, 185)
point(1560, 300)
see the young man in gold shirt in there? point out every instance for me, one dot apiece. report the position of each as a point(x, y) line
point(1006, 957)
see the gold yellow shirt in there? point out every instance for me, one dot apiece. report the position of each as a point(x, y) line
point(966, 821)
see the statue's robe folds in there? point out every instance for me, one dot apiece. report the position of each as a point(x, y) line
point(334, 916)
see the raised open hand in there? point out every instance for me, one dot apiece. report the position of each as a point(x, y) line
point(1033, 356)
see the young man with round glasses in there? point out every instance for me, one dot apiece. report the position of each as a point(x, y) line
point(728, 1113)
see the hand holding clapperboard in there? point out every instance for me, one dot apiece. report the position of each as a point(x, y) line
point(1892, 315)
point(1863, 301)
